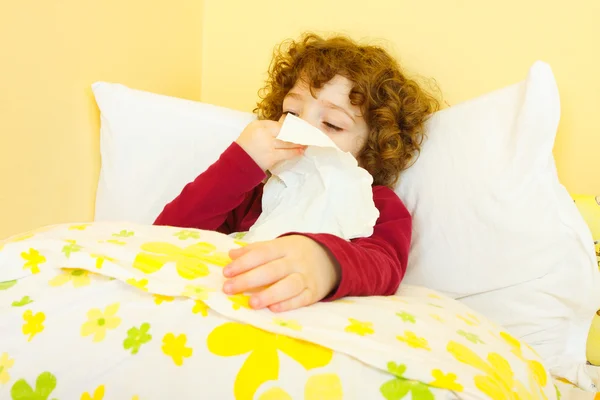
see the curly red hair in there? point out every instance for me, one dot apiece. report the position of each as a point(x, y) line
point(395, 107)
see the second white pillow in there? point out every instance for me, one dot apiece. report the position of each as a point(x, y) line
point(493, 226)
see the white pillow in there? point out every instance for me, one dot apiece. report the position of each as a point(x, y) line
point(493, 226)
point(152, 145)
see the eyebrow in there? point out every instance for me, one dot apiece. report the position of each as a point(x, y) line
point(342, 109)
point(327, 103)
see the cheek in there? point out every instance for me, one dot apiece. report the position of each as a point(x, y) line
point(359, 143)
point(348, 143)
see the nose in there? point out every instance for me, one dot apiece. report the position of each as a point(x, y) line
point(311, 116)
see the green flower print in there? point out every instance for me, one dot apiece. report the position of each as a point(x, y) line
point(23, 302)
point(406, 317)
point(399, 387)
point(137, 337)
point(7, 284)
point(71, 248)
point(471, 337)
point(44, 385)
point(124, 234)
point(185, 235)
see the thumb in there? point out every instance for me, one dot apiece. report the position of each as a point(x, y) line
point(288, 154)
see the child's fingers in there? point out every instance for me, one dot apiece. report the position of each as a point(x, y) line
point(273, 127)
point(237, 253)
point(257, 255)
point(287, 154)
point(301, 300)
point(258, 277)
point(287, 288)
point(281, 145)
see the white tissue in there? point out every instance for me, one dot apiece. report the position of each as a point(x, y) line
point(323, 191)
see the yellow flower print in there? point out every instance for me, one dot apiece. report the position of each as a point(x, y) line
point(78, 277)
point(190, 262)
point(21, 238)
point(140, 284)
point(239, 301)
point(537, 372)
point(469, 319)
point(275, 393)
point(81, 227)
point(397, 299)
point(6, 363)
point(318, 387)
point(498, 381)
point(159, 299)
point(344, 301)
point(115, 242)
point(196, 292)
point(323, 387)
point(175, 348)
point(200, 307)
point(291, 324)
point(359, 327)
point(436, 317)
point(99, 322)
point(513, 343)
point(434, 296)
point(34, 324)
point(262, 365)
point(445, 381)
point(101, 259)
point(473, 317)
point(98, 394)
point(414, 341)
point(33, 260)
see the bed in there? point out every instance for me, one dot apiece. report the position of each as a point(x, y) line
point(127, 310)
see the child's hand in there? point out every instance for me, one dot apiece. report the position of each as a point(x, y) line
point(259, 140)
point(292, 272)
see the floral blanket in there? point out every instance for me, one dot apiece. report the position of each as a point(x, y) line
point(124, 311)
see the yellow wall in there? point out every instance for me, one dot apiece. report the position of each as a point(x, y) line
point(51, 52)
point(470, 47)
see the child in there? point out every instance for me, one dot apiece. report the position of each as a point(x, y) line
point(359, 97)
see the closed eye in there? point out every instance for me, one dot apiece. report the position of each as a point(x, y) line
point(331, 126)
point(290, 112)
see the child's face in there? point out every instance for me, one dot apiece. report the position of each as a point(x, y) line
point(331, 112)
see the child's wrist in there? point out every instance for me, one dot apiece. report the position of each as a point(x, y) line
point(249, 152)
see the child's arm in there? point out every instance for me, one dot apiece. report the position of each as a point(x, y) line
point(373, 266)
point(300, 269)
point(206, 202)
point(218, 193)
